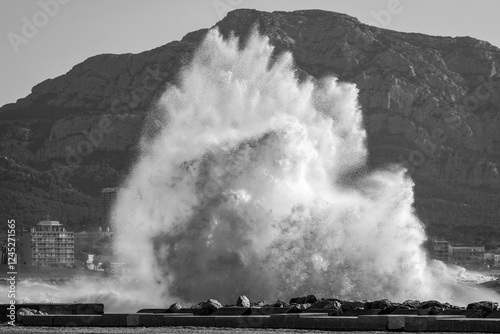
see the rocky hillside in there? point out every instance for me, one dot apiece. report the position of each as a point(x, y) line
point(430, 103)
point(28, 195)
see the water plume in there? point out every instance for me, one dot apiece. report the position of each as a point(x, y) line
point(245, 188)
point(253, 182)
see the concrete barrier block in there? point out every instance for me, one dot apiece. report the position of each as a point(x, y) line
point(195, 321)
point(132, 320)
point(420, 324)
point(81, 320)
point(89, 308)
point(232, 311)
point(334, 323)
point(113, 320)
point(37, 320)
point(465, 313)
point(290, 321)
point(372, 322)
point(186, 310)
point(325, 323)
point(268, 310)
point(193, 311)
point(444, 324)
point(355, 313)
point(275, 321)
point(461, 324)
point(303, 323)
point(410, 312)
point(242, 321)
point(476, 325)
point(150, 320)
point(256, 321)
point(493, 325)
point(169, 321)
point(494, 315)
point(396, 323)
point(229, 321)
point(312, 315)
point(153, 310)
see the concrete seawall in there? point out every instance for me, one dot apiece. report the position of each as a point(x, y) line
point(312, 321)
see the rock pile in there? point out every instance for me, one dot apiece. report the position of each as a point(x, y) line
point(338, 307)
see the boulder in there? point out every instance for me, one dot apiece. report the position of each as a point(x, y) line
point(412, 303)
point(27, 311)
point(378, 304)
point(334, 308)
point(435, 310)
point(296, 308)
point(309, 299)
point(321, 304)
point(210, 306)
point(432, 303)
point(484, 308)
point(197, 306)
point(24, 311)
point(280, 303)
point(243, 301)
point(335, 312)
point(393, 307)
point(349, 305)
point(175, 307)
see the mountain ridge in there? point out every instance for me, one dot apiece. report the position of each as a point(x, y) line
point(430, 103)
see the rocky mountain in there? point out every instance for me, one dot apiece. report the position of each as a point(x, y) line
point(430, 103)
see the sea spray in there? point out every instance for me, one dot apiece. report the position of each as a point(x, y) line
point(254, 183)
point(247, 187)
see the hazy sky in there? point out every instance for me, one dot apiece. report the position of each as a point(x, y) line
point(44, 39)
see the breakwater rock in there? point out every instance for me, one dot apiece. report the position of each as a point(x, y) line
point(339, 307)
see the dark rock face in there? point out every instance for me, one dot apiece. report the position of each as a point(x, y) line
point(429, 103)
point(243, 301)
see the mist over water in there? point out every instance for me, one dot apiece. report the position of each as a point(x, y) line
point(254, 183)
